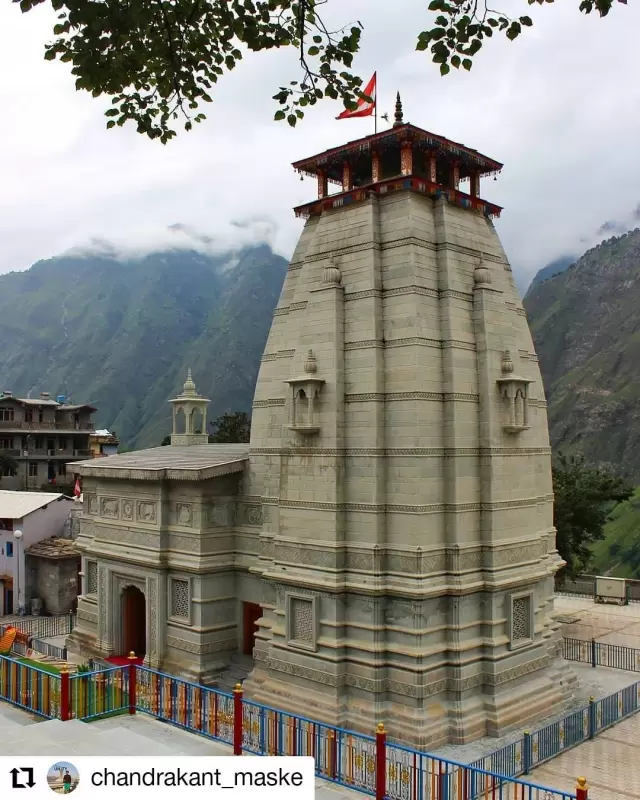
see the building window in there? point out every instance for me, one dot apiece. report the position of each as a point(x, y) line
point(6, 414)
point(92, 577)
point(180, 598)
point(33, 469)
point(9, 549)
point(62, 444)
point(6, 444)
point(521, 620)
point(6, 524)
point(62, 469)
point(9, 472)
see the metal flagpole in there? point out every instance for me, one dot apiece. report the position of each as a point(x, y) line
point(375, 106)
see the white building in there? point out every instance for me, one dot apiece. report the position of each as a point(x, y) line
point(37, 516)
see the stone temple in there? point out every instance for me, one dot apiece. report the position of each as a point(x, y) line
point(384, 547)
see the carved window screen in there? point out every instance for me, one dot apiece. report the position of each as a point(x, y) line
point(92, 577)
point(521, 620)
point(302, 621)
point(180, 598)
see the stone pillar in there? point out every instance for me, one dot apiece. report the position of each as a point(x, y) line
point(105, 610)
point(347, 177)
point(323, 189)
point(154, 633)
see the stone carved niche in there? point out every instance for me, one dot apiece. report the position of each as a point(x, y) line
point(305, 392)
point(184, 514)
point(109, 508)
point(127, 509)
point(514, 391)
point(146, 512)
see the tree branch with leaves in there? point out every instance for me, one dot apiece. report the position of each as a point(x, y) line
point(159, 60)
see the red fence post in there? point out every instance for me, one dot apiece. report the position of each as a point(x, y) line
point(582, 789)
point(132, 682)
point(237, 720)
point(381, 762)
point(65, 695)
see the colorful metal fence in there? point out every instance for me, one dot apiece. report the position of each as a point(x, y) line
point(30, 688)
point(369, 764)
point(101, 694)
point(187, 705)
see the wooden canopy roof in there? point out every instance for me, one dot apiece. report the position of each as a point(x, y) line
point(470, 161)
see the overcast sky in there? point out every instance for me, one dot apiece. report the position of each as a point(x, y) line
point(560, 107)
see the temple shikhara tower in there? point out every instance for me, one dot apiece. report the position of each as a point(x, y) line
point(400, 451)
point(384, 548)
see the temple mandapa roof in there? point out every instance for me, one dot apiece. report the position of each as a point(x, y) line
point(331, 160)
point(195, 462)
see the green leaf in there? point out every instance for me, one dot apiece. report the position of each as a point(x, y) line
point(292, 119)
point(279, 115)
point(313, 51)
point(455, 61)
point(467, 63)
point(444, 69)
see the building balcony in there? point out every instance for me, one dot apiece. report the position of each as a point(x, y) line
point(43, 452)
point(63, 427)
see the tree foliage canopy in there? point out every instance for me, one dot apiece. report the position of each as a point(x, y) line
point(158, 60)
point(583, 498)
point(231, 428)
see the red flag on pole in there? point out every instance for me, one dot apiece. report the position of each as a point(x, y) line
point(77, 491)
point(364, 108)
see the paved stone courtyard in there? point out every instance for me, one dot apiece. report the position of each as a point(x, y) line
point(609, 762)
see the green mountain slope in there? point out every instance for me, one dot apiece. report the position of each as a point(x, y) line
point(618, 554)
point(120, 333)
point(556, 267)
point(586, 327)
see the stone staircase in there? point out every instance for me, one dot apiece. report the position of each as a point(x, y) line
point(237, 672)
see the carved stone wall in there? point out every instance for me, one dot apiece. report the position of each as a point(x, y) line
point(411, 511)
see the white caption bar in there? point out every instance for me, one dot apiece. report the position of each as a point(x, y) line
point(232, 777)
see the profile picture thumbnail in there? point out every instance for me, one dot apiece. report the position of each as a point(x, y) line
point(62, 777)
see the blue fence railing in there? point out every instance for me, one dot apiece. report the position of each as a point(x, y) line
point(533, 749)
point(601, 654)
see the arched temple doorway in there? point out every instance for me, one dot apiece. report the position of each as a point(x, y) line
point(134, 621)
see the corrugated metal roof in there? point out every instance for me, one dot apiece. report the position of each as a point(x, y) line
point(15, 505)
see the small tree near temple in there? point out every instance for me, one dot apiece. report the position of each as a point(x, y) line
point(231, 428)
point(583, 498)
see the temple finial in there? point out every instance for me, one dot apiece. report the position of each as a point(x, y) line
point(397, 120)
point(189, 386)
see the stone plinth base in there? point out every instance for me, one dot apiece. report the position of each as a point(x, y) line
point(442, 719)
